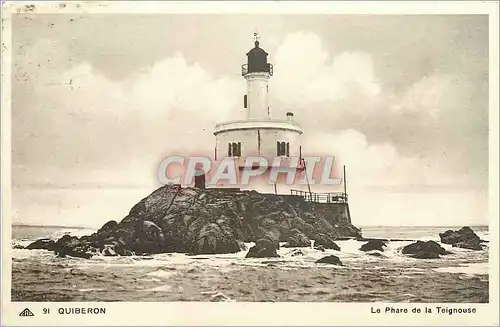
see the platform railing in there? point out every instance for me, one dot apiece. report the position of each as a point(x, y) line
point(331, 197)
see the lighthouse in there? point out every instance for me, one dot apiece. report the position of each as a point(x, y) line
point(257, 72)
point(257, 133)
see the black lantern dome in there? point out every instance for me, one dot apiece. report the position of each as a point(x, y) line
point(257, 61)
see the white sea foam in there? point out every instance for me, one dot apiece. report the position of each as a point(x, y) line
point(24, 243)
point(349, 254)
point(162, 273)
point(162, 288)
point(25, 254)
point(78, 232)
point(469, 269)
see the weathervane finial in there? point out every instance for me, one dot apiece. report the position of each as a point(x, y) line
point(256, 36)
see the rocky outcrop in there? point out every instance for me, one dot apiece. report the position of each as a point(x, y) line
point(372, 245)
point(42, 244)
point(463, 238)
point(71, 246)
point(326, 242)
point(197, 221)
point(297, 239)
point(331, 259)
point(263, 248)
point(424, 250)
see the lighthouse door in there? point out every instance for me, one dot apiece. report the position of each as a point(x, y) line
point(199, 181)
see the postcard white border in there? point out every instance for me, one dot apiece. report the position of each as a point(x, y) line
point(244, 313)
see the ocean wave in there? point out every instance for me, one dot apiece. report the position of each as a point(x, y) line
point(350, 254)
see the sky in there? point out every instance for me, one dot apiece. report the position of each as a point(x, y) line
point(98, 100)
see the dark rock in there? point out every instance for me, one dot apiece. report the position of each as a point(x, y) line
point(464, 234)
point(463, 238)
point(263, 248)
point(149, 238)
point(425, 255)
point(108, 227)
point(424, 250)
point(116, 248)
point(214, 239)
point(326, 242)
point(18, 246)
point(331, 259)
point(373, 245)
point(72, 246)
point(477, 246)
point(297, 239)
point(42, 244)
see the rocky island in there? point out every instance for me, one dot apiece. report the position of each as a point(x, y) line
point(212, 221)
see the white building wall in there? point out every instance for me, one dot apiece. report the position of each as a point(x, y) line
point(271, 136)
point(257, 96)
point(249, 139)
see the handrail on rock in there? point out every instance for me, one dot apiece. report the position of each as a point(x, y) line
point(331, 197)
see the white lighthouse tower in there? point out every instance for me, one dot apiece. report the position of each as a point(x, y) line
point(257, 134)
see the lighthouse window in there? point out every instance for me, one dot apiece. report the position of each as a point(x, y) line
point(283, 148)
point(234, 149)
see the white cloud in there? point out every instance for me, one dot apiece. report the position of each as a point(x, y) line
point(429, 96)
point(370, 165)
point(91, 126)
point(306, 74)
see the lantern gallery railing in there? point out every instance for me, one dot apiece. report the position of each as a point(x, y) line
point(266, 69)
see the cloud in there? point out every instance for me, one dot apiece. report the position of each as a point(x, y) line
point(431, 95)
point(74, 127)
point(376, 165)
point(425, 123)
point(79, 120)
point(306, 74)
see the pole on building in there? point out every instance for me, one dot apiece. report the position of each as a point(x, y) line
point(345, 183)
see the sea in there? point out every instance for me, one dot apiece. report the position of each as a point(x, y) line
point(390, 276)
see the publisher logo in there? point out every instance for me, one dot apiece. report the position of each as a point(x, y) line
point(26, 313)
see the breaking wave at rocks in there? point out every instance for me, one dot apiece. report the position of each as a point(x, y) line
point(349, 253)
point(388, 275)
